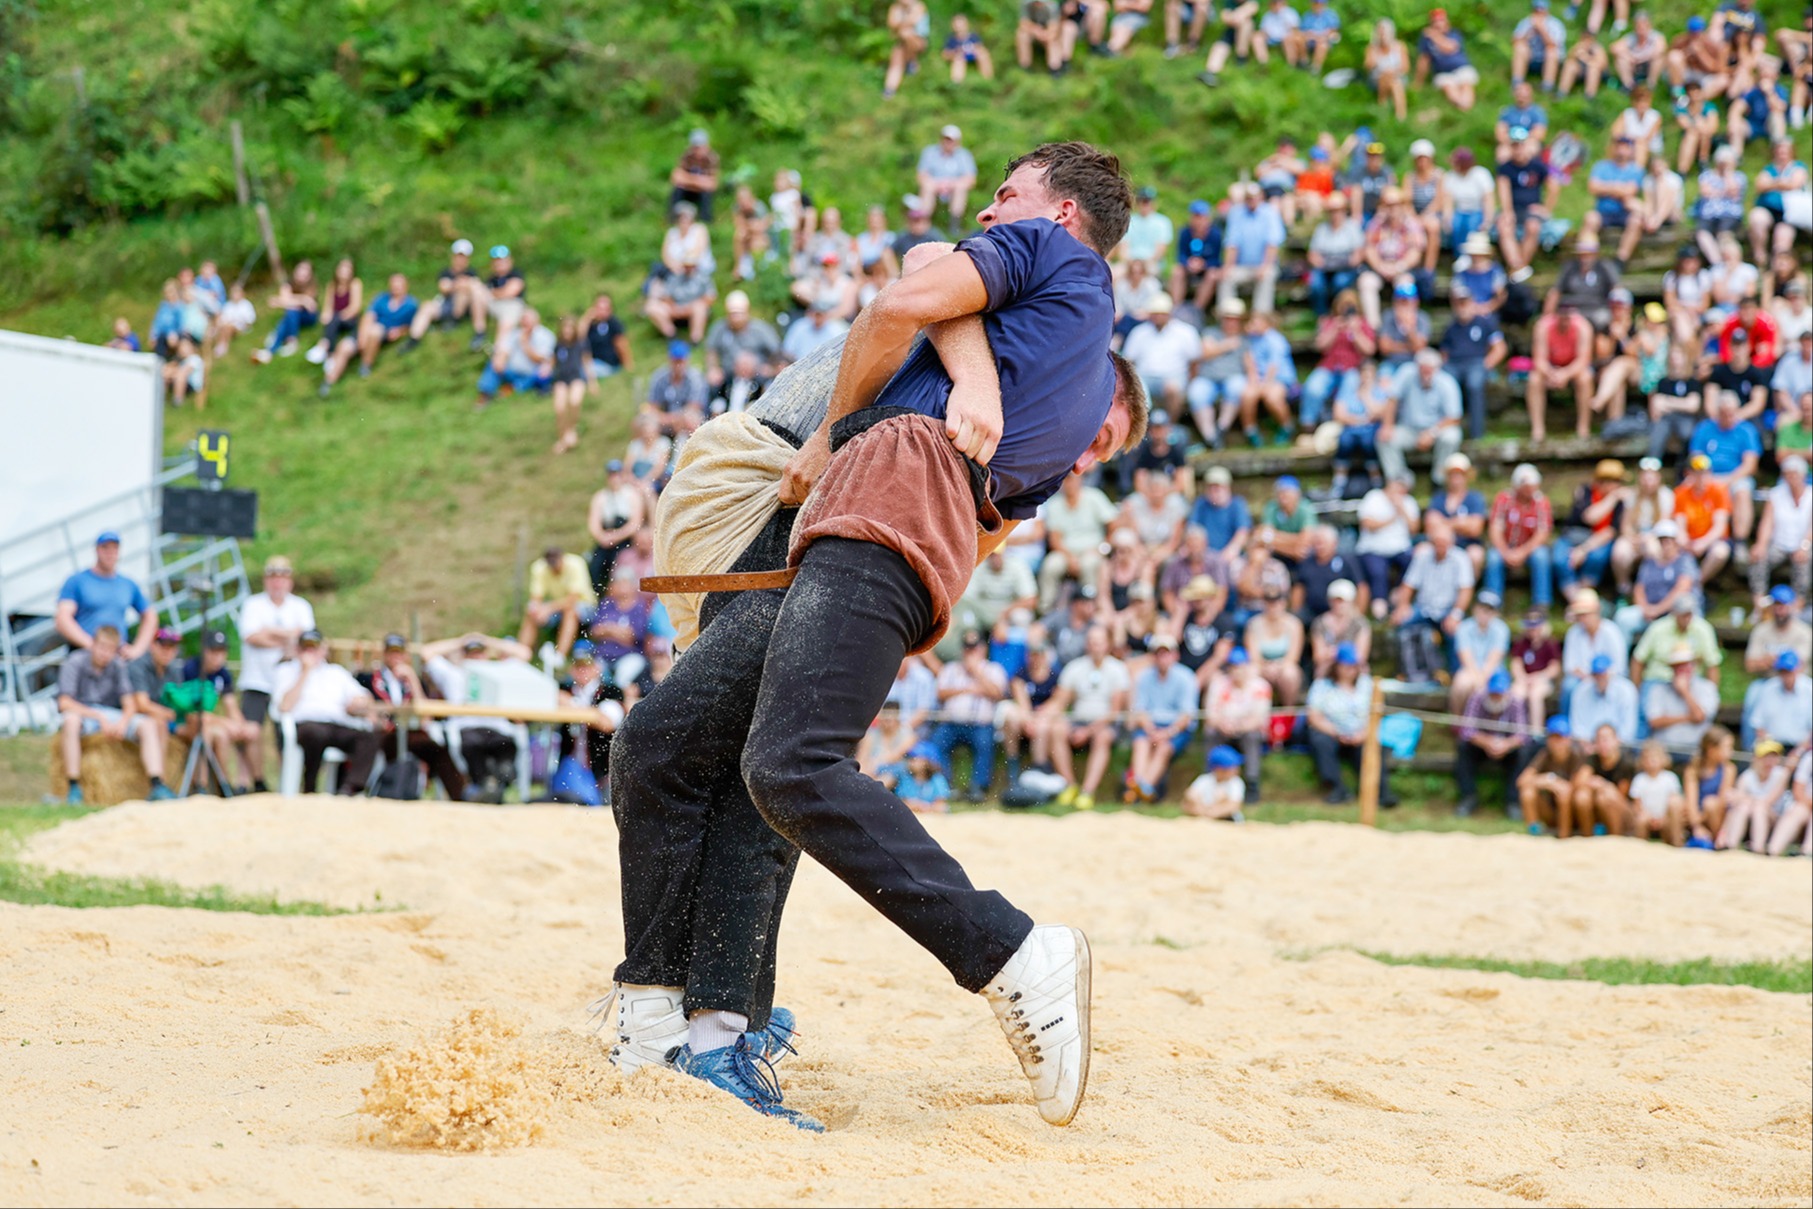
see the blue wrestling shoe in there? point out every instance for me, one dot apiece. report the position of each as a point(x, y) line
point(774, 1042)
point(739, 1070)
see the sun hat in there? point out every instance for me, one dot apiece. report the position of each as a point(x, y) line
point(1341, 589)
point(1610, 468)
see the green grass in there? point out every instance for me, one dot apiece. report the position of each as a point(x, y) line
point(29, 885)
point(1792, 975)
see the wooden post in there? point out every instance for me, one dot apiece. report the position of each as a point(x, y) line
point(1370, 757)
point(239, 164)
point(270, 241)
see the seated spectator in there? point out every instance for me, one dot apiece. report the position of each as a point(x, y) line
point(1791, 382)
point(458, 294)
point(1163, 720)
point(124, 338)
point(1239, 19)
point(1194, 561)
point(1251, 238)
point(1784, 535)
point(1278, 30)
point(1585, 65)
point(1522, 113)
point(485, 744)
point(1703, 508)
point(101, 596)
point(1493, 734)
point(1708, 779)
point(1738, 374)
point(395, 682)
point(620, 628)
point(1427, 417)
point(1545, 787)
point(1604, 698)
point(915, 694)
point(1682, 708)
point(1561, 360)
point(1135, 294)
point(1196, 272)
point(95, 695)
point(1729, 279)
point(1271, 380)
point(1274, 642)
point(1538, 44)
point(1462, 507)
point(911, 26)
point(1435, 592)
point(1162, 350)
point(1658, 806)
point(1027, 716)
point(946, 173)
point(1238, 707)
point(1535, 663)
point(969, 690)
point(1395, 245)
point(1518, 532)
point(1345, 343)
point(1674, 405)
point(820, 326)
point(1526, 197)
point(1160, 457)
point(1628, 354)
point(1338, 710)
point(560, 598)
point(1317, 34)
point(695, 178)
point(386, 321)
point(1286, 520)
point(1468, 201)
point(1584, 285)
point(1091, 697)
point(1442, 50)
point(1405, 330)
point(185, 373)
point(1334, 614)
point(1639, 56)
point(1387, 64)
point(737, 332)
point(1583, 551)
point(1770, 231)
point(921, 782)
point(330, 709)
point(1778, 630)
point(346, 306)
point(1617, 188)
point(1681, 626)
point(1068, 630)
point(1156, 513)
point(678, 387)
point(571, 380)
point(1641, 123)
point(1366, 177)
point(1335, 249)
point(523, 360)
point(299, 301)
point(1077, 520)
point(999, 586)
point(1222, 514)
point(1216, 391)
point(237, 315)
point(1360, 414)
point(1782, 709)
point(1258, 575)
point(1601, 803)
point(1388, 518)
point(1795, 823)
point(684, 295)
point(1721, 209)
point(963, 50)
point(1205, 636)
point(1750, 807)
point(1220, 791)
point(1472, 347)
point(1424, 185)
point(1043, 24)
point(827, 280)
point(585, 688)
point(1589, 637)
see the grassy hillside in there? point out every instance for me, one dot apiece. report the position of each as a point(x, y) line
point(384, 128)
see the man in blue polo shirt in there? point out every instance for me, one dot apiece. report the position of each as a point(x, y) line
point(102, 596)
point(1615, 184)
point(385, 320)
point(1734, 449)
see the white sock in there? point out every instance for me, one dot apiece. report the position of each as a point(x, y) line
point(706, 1031)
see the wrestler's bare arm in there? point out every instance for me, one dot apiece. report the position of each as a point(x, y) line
point(947, 288)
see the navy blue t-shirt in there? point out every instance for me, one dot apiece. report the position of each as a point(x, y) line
point(1471, 341)
point(103, 600)
point(1206, 247)
point(1050, 315)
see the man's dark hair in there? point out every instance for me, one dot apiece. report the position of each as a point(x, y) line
point(1091, 178)
point(1129, 387)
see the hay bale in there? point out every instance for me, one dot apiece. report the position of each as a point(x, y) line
point(111, 770)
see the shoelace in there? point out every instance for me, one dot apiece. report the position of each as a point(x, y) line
point(599, 1009)
point(781, 1035)
point(763, 1086)
point(1020, 1034)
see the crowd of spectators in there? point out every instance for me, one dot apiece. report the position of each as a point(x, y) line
point(1368, 303)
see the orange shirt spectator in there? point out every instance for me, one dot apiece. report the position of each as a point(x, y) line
point(1697, 505)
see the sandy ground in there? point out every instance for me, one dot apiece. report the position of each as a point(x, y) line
point(185, 1057)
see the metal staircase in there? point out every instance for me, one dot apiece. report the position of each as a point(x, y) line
point(195, 583)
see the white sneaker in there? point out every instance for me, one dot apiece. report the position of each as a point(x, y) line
point(650, 1022)
point(316, 355)
point(1041, 998)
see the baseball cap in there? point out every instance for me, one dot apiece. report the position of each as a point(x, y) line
point(613, 466)
point(1623, 295)
point(1796, 287)
point(395, 642)
point(1346, 656)
point(1499, 683)
point(1624, 138)
point(1086, 592)
point(500, 251)
point(582, 652)
point(473, 644)
point(166, 635)
point(1163, 642)
point(1224, 756)
point(1157, 418)
point(1686, 602)
point(1238, 657)
point(1430, 357)
point(972, 639)
point(461, 247)
point(1786, 661)
point(913, 204)
point(1375, 148)
point(1541, 6)
point(278, 565)
point(1585, 601)
point(1655, 312)
point(1739, 336)
point(736, 300)
point(1218, 476)
point(1405, 288)
point(950, 132)
point(1200, 207)
point(1558, 726)
point(1535, 616)
point(1794, 462)
point(1341, 589)
point(1318, 153)
point(823, 305)
point(1147, 193)
point(1160, 305)
point(1489, 599)
point(1601, 664)
point(107, 537)
point(1699, 461)
point(698, 138)
point(679, 350)
point(1287, 482)
point(1422, 147)
point(1649, 463)
point(1666, 529)
point(923, 751)
point(309, 638)
point(1696, 24)
point(214, 640)
point(1782, 594)
point(1458, 461)
point(1768, 747)
point(1525, 475)
point(1519, 133)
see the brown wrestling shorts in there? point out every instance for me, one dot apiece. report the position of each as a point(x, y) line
point(896, 480)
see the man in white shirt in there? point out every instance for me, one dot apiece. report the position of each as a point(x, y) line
point(968, 692)
point(1091, 697)
point(1785, 532)
point(1076, 527)
point(1163, 349)
point(269, 625)
point(328, 707)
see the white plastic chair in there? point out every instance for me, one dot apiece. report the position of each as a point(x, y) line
point(289, 774)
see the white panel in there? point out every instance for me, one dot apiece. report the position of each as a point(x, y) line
point(79, 425)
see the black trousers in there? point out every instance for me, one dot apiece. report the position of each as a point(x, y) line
point(488, 753)
point(704, 876)
point(440, 763)
point(361, 748)
point(854, 611)
point(1469, 758)
point(1330, 753)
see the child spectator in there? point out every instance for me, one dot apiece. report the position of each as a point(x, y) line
point(1751, 808)
point(1316, 36)
point(573, 379)
point(238, 315)
point(1708, 779)
point(921, 783)
point(910, 23)
point(1658, 803)
point(185, 373)
point(124, 338)
point(1219, 793)
point(964, 49)
point(1238, 709)
point(299, 301)
point(1387, 64)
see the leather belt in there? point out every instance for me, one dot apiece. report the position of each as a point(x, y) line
point(734, 581)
